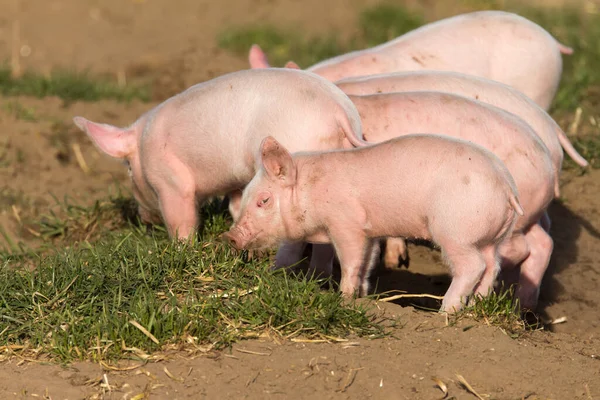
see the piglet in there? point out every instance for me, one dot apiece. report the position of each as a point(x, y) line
point(201, 142)
point(455, 193)
point(529, 247)
point(497, 45)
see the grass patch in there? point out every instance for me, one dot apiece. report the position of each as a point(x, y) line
point(20, 112)
point(385, 22)
point(69, 86)
point(281, 46)
point(377, 24)
point(498, 309)
point(78, 302)
point(75, 223)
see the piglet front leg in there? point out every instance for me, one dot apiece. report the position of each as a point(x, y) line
point(355, 252)
point(179, 211)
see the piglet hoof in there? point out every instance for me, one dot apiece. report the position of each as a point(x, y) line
point(349, 298)
point(473, 299)
point(450, 308)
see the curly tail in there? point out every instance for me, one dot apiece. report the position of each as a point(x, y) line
point(514, 202)
point(564, 49)
point(354, 137)
point(569, 149)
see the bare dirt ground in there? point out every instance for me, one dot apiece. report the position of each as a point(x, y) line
point(143, 39)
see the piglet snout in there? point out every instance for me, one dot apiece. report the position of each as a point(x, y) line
point(235, 238)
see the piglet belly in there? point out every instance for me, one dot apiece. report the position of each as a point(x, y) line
point(397, 219)
point(318, 238)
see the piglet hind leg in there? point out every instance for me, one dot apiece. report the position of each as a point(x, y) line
point(467, 264)
point(370, 264)
point(492, 267)
point(534, 267)
point(396, 253)
point(513, 250)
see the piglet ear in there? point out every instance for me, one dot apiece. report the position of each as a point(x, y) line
point(257, 58)
point(291, 65)
point(114, 141)
point(277, 161)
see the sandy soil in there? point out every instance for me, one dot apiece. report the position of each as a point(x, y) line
point(151, 39)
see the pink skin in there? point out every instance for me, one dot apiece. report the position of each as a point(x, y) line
point(202, 142)
point(459, 195)
point(496, 45)
point(385, 116)
point(485, 90)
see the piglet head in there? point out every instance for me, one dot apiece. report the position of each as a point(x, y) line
point(261, 224)
point(122, 144)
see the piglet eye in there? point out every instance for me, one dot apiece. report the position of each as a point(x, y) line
point(263, 201)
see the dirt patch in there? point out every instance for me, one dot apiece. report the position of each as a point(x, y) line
point(144, 39)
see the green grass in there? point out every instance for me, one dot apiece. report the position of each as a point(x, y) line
point(497, 309)
point(376, 25)
point(281, 46)
point(77, 302)
point(385, 22)
point(20, 111)
point(67, 85)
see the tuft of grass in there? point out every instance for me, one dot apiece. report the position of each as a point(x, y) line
point(385, 22)
point(70, 222)
point(497, 309)
point(20, 111)
point(68, 85)
point(87, 301)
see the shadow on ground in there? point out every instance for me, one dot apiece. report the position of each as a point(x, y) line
point(566, 230)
